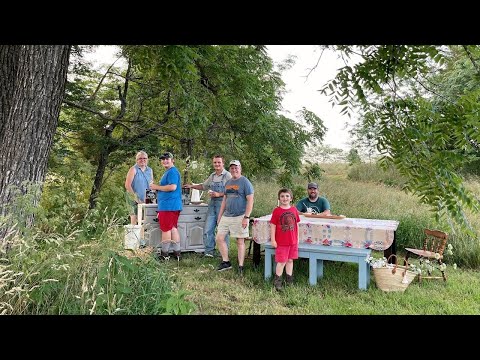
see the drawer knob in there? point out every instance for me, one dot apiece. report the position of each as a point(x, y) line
point(196, 210)
point(198, 218)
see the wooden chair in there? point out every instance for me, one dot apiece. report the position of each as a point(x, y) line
point(435, 242)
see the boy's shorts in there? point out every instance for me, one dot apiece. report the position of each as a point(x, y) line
point(168, 220)
point(285, 253)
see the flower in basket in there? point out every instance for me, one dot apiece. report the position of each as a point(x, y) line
point(378, 262)
point(391, 277)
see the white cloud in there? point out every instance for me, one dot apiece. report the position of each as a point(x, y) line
point(303, 91)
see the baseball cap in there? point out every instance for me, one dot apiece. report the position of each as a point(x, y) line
point(312, 185)
point(235, 162)
point(166, 155)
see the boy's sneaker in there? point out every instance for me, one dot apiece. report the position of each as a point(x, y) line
point(224, 265)
point(177, 255)
point(162, 256)
point(240, 270)
point(289, 280)
point(209, 255)
point(277, 282)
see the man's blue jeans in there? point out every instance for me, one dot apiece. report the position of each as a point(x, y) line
point(210, 225)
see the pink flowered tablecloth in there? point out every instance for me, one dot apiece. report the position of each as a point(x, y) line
point(350, 232)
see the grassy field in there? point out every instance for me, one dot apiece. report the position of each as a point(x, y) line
point(337, 292)
point(226, 293)
point(82, 268)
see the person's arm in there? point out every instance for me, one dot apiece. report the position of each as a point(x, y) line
point(297, 218)
point(273, 242)
point(128, 184)
point(152, 177)
point(193, 186)
point(166, 188)
point(248, 210)
point(222, 208)
point(326, 204)
point(300, 207)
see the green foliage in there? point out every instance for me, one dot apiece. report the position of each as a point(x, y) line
point(70, 274)
point(353, 157)
point(425, 130)
point(373, 172)
point(313, 172)
point(192, 100)
point(176, 304)
point(24, 206)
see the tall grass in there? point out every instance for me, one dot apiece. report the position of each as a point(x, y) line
point(76, 264)
point(74, 273)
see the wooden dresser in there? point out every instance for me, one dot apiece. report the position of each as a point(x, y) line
point(190, 226)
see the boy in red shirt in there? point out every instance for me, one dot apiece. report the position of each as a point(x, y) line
point(284, 236)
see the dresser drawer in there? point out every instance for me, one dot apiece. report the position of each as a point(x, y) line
point(192, 218)
point(193, 210)
point(151, 211)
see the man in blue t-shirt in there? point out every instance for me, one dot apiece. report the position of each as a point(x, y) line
point(169, 199)
point(313, 204)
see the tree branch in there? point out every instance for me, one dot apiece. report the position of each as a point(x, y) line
point(470, 56)
point(82, 107)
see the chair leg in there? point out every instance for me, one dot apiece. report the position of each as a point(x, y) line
point(444, 276)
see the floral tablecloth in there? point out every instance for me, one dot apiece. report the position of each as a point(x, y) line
point(350, 232)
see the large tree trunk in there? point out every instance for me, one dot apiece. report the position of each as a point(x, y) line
point(32, 86)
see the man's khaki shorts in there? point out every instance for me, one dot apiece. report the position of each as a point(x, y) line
point(232, 225)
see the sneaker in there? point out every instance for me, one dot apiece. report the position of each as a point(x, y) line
point(209, 255)
point(277, 283)
point(240, 270)
point(177, 255)
point(162, 256)
point(289, 280)
point(224, 265)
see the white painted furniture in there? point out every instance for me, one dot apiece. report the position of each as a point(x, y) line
point(191, 224)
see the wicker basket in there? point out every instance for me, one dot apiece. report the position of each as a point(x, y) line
point(389, 279)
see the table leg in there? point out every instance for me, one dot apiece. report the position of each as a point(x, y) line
point(256, 254)
point(319, 268)
point(362, 274)
point(312, 271)
point(268, 264)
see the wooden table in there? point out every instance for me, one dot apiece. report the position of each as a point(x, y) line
point(358, 233)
